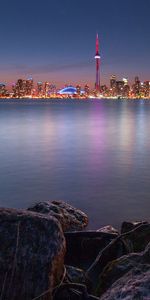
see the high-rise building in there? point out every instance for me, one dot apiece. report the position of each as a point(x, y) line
point(29, 86)
point(137, 86)
point(147, 89)
point(97, 58)
point(87, 90)
point(78, 88)
point(40, 89)
point(19, 88)
point(105, 90)
point(126, 88)
point(119, 88)
point(113, 85)
point(113, 81)
point(46, 89)
point(2, 90)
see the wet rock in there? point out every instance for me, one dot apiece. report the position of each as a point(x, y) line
point(134, 285)
point(118, 268)
point(69, 217)
point(138, 238)
point(128, 226)
point(84, 246)
point(32, 248)
point(109, 229)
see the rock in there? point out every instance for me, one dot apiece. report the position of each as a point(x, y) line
point(32, 248)
point(116, 269)
point(84, 246)
point(134, 285)
point(115, 249)
point(109, 229)
point(128, 226)
point(138, 238)
point(73, 291)
point(69, 217)
point(76, 275)
point(119, 267)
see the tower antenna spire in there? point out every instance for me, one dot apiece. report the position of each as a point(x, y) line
point(97, 58)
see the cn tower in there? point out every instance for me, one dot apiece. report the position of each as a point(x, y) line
point(97, 57)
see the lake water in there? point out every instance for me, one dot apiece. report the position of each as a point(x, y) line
point(93, 154)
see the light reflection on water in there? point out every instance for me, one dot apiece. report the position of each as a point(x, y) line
point(94, 155)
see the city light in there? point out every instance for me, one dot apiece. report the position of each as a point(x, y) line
point(118, 89)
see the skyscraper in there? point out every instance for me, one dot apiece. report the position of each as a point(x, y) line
point(113, 85)
point(2, 89)
point(29, 86)
point(40, 89)
point(97, 57)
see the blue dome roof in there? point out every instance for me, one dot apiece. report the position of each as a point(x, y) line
point(70, 90)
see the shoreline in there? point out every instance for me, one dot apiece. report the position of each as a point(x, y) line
point(74, 98)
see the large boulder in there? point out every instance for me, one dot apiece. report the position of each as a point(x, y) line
point(109, 229)
point(32, 248)
point(138, 238)
point(129, 225)
point(133, 264)
point(115, 249)
point(73, 291)
point(134, 285)
point(69, 217)
point(76, 275)
point(84, 246)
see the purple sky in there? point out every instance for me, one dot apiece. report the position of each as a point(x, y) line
point(54, 40)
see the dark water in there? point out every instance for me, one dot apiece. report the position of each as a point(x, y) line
point(93, 154)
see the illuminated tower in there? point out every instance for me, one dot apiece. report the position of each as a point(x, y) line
point(97, 57)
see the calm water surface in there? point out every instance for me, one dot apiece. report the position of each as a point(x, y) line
point(92, 154)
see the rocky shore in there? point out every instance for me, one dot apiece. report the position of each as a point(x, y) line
point(46, 253)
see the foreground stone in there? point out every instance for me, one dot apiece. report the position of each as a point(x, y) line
point(108, 229)
point(73, 291)
point(134, 285)
point(32, 248)
point(115, 249)
point(128, 226)
point(76, 275)
point(129, 271)
point(84, 246)
point(138, 238)
point(69, 217)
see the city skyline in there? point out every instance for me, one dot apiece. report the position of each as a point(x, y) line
point(56, 41)
point(28, 88)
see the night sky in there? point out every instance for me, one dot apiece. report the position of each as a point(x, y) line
point(54, 40)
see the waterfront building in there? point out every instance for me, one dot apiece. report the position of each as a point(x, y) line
point(137, 87)
point(87, 90)
point(46, 89)
point(105, 90)
point(147, 89)
point(40, 89)
point(29, 87)
point(2, 90)
point(69, 90)
point(120, 88)
point(113, 85)
point(126, 91)
point(78, 89)
point(126, 88)
point(19, 88)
